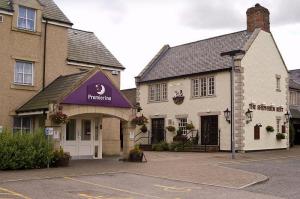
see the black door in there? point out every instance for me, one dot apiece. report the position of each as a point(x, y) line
point(209, 130)
point(158, 130)
point(297, 134)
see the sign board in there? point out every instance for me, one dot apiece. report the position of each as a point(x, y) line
point(99, 93)
point(56, 135)
point(131, 135)
point(49, 131)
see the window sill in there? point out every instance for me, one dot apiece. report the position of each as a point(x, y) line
point(203, 97)
point(278, 90)
point(23, 87)
point(26, 31)
point(155, 102)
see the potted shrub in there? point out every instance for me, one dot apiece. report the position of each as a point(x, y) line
point(61, 158)
point(179, 137)
point(190, 126)
point(139, 120)
point(60, 118)
point(280, 136)
point(136, 154)
point(269, 129)
point(144, 128)
point(171, 128)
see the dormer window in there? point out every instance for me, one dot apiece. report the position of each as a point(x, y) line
point(26, 18)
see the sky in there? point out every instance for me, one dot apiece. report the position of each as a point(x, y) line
point(135, 30)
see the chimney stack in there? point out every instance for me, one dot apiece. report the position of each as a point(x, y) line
point(258, 17)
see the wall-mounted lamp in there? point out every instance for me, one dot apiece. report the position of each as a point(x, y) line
point(227, 114)
point(287, 117)
point(249, 116)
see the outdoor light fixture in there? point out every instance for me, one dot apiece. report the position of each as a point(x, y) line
point(249, 116)
point(287, 116)
point(227, 114)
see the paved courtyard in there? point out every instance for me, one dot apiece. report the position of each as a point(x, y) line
point(165, 175)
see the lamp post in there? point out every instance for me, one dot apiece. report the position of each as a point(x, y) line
point(232, 54)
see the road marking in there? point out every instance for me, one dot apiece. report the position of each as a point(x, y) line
point(113, 188)
point(174, 189)
point(14, 193)
point(98, 197)
point(257, 160)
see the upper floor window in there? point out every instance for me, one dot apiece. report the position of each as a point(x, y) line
point(26, 18)
point(294, 98)
point(24, 73)
point(158, 92)
point(277, 82)
point(203, 86)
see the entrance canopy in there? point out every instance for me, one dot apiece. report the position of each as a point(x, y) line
point(89, 92)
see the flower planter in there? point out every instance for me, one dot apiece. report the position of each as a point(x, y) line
point(63, 162)
point(280, 136)
point(178, 100)
point(136, 157)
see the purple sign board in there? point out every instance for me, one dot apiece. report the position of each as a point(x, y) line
point(98, 90)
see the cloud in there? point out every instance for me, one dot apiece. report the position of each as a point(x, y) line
point(216, 14)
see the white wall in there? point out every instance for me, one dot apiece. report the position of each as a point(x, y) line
point(261, 64)
point(191, 107)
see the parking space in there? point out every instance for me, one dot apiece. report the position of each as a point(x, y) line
point(119, 186)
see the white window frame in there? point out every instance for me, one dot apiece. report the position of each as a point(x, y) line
point(203, 87)
point(26, 19)
point(21, 129)
point(182, 122)
point(158, 92)
point(278, 121)
point(23, 73)
point(278, 83)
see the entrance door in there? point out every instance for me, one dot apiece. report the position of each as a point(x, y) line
point(85, 147)
point(158, 130)
point(209, 130)
point(70, 141)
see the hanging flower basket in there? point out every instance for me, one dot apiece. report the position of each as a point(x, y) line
point(269, 129)
point(60, 118)
point(144, 128)
point(139, 120)
point(171, 128)
point(178, 100)
point(280, 136)
point(190, 126)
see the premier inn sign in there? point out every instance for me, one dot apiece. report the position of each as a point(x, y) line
point(98, 90)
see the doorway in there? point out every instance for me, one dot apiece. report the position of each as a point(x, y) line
point(158, 130)
point(81, 138)
point(209, 130)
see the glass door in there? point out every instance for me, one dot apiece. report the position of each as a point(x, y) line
point(70, 141)
point(86, 137)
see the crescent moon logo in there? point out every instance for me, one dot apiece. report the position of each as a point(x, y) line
point(100, 89)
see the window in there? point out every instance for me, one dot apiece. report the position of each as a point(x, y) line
point(277, 125)
point(204, 86)
point(182, 125)
point(26, 18)
point(71, 130)
point(294, 98)
point(86, 130)
point(158, 92)
point(1, 18)
point(22, 125)
point(24, 73)
point(256, 132)
point(277, 82)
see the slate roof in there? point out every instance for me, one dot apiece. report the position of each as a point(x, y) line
point(294, 81)
point(194, 58)
point(52, 92)
point(295, 111)
point(51, 10)
point(85, 47)
point(130, 94)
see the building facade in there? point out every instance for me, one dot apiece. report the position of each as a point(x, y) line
point(38, 45)
point(294, 103)
point(191, 83)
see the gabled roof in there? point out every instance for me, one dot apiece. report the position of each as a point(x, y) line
point(52, 93)
point(130, 94)
point(295, 112)
point(194, 58)
point(294, 81)
point(51, 10)
point(85, 47)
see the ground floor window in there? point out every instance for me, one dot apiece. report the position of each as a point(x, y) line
point(277, 125)
point(71, 130)
point(182, 125)
point(22, 125)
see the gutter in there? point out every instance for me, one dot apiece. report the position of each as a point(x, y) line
point(44, 59)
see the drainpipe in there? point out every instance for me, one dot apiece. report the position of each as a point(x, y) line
point(45, 51)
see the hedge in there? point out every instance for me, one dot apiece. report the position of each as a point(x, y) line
point(24, 151)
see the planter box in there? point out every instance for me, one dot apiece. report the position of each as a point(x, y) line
point(135, 157)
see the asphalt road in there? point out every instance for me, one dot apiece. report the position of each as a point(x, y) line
point(119, 186)
point(284, 176)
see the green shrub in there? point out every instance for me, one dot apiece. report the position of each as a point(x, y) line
point(280, 136)
point(24, 151)
point(60, 158)
point(176, 146)
point(162, 146)
point(269, 129)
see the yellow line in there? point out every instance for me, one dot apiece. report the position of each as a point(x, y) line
point(174, 189)
point(112, 188)
point(14, 193)
point(257, 160)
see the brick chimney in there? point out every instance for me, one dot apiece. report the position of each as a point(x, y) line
point(258, 17)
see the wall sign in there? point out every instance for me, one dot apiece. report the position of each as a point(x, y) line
point(49, 131)
point(178, 98)
point(264, 107)
point(99, 92)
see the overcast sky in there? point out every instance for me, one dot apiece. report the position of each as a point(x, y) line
point(135, 30)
